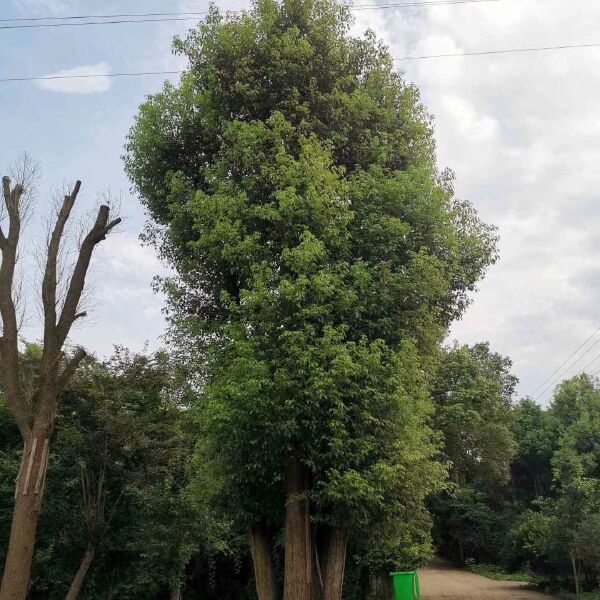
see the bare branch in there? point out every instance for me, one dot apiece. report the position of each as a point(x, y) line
point(96, 234)
point(9, 350)
point(51, 343)
point(6, 197)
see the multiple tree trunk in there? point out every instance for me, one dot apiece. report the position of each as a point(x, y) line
point(315, 558)
point(33, 402)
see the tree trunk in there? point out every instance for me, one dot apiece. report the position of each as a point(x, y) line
point(81, 574)
point(298, 543)
point(176, 593)
point(316, 592)
point(575, 573)
point(461, 552)
point(334, 563)
point(264, 573)
point(29, 491)
point(379, 587)
point(536, 484)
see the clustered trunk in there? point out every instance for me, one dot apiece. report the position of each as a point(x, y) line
point(34, 404)
point(314, 558)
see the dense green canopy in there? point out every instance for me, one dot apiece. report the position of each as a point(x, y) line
point(320, 256)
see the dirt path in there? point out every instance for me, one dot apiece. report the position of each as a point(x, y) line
point(440, 582)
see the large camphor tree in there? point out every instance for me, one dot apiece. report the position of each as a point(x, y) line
point(32, 395)
point(320, 257)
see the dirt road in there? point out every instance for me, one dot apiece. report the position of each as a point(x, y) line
point(440, 582)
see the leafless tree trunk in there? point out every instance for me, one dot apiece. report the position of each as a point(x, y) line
point(34, 409)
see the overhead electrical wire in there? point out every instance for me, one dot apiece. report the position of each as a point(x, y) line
point(566, 363)
point(400, 59)
point(502, 51)
point(194, 14)
point(588, 365)
point(108, 22)
point(355, 7)
point(89, 76)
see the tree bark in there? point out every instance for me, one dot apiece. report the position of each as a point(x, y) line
point(29, 491)
point(334, 563)
point(176, 593)
point(461, 552)
point(264, 573)
point(575, 573)
point(316, 592)
point(79, 579)
point(298, 542)
point(379, 587)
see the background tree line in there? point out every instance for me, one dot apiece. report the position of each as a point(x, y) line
point(525, 478)
point(133, 510)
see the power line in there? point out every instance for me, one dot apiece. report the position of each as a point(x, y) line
point(507, 51)
point(106, 16)
point(89, 76)
point(403, 58)
point(416, 4)
point(590, 363)
point(82, 23)
point(564, 362)
point(162, 17)
point(555, 380)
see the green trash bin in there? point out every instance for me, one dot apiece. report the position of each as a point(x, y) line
point(406, 585)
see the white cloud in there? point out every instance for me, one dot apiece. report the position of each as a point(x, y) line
point(43, 7)
point(79, 85)
point(520, 131)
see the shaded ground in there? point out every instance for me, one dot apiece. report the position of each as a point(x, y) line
point(442, 582)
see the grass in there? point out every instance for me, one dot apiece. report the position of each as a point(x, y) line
point(496, 573)
point(583, 596)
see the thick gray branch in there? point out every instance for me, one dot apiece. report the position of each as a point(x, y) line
point(50, 275)
point(9, 349)
point(96, 234)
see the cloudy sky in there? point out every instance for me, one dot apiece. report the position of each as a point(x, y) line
point(520, 131)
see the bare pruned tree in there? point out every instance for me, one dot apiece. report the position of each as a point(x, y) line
point(34, 403)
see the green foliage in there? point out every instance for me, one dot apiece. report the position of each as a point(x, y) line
point(492, 571)
point(11, 447)
point(473, 393)
point(536, 432)
point(320, 257)
point(124, 426)
point(546, 519)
